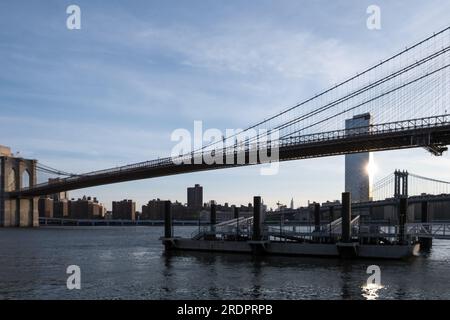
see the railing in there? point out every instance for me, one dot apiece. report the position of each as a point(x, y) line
point(429, 230)
point(380, 231)
point(385, 231)
point(241, 227)
point(389, 127)
point(332, 230)
point(390, 232)
point(358, 232)
point(335, 227)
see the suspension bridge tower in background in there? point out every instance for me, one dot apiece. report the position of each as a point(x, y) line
point(17, 173)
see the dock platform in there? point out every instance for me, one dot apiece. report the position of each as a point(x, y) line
point(346, 237)
point(295, 249)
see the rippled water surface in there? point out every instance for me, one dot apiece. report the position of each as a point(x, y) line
point(129, 263)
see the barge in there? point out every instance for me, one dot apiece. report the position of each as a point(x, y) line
point(342, 238)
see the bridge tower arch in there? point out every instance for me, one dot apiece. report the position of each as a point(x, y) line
point(26, 178)
point(15, 174)
point(400, 184)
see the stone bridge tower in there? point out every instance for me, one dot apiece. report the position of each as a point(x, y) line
point(17, 173)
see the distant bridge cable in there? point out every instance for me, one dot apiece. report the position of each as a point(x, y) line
point(428, 179)
point(47, 169)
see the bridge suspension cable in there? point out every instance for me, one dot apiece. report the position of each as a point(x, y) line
point(366, 102)
point(419, 184)
point(429, 57)
point(428, 179)
point(383, 188)
point(360, 91)
point(47, 169)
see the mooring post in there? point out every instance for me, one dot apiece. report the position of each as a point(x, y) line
point(402, 212)
point(167, 219)
point(213, 216)
point(425, 243)
point(257, 221)
point(316, 213)
point(331, 219)
point(346, 217)
point(424, 213)
point(236, 216)
point(316, 217)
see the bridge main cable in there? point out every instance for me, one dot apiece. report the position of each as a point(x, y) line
point(344, 98)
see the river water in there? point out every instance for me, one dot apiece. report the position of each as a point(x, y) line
point(130, 263)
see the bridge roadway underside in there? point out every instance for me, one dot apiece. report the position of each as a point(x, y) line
point(412, 138)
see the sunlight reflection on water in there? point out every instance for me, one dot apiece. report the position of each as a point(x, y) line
point(370, 291)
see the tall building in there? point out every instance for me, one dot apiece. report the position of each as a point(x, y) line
point(61, 209)
point(357, 178)
point(195, 196)
point(125, 209)
point(84, 208)
point(225, 212)
point(153, 210)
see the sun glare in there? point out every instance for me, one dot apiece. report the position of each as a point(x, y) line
point(371, 168)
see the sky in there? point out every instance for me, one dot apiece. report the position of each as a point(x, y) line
point(112, 92)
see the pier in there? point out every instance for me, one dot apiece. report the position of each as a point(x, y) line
point(345, 237)
point(113, 222)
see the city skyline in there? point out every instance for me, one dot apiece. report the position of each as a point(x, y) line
point(112, 93)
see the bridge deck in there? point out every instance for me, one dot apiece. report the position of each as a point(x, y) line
point(432, 133)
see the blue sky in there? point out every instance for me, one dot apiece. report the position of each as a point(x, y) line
point(113, 92)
